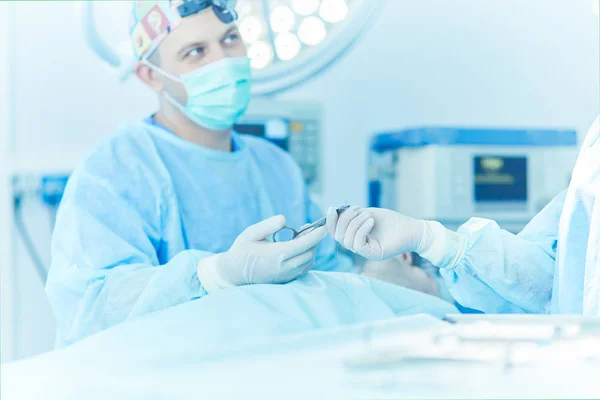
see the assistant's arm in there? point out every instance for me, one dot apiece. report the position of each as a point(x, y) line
point(485, 267)
point(501, 272)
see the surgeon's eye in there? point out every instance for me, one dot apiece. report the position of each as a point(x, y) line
point(195, 52)
point(232, 38)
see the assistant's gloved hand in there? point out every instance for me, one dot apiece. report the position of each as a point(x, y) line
point(253, 259)
point(378, 234)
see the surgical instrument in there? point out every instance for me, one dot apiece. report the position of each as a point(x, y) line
point(286, 233)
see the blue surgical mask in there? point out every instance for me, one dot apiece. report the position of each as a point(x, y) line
point(217, 94)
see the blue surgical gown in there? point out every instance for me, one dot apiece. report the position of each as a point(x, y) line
point(552, 266)
point(142, 210)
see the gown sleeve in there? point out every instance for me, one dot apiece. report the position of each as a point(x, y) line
point(506, 273)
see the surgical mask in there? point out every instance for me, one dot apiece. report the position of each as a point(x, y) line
point(217, 94)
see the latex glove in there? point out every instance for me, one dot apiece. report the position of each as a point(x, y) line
point(252, 259)
point(378, 234)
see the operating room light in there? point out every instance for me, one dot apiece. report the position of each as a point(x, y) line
point(283, 19)
point(312, 31)
point(285, 25)
point(305, 7)
point(290, 27)
point(251, 28)
point(287, 46)
point(333, 11)
point(261, 54)
point(290, 40)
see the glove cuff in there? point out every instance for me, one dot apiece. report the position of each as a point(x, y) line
point(209, 276)
point(441, 246)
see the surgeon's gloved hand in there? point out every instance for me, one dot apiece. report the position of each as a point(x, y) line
point(378, 234)
point(253, 259)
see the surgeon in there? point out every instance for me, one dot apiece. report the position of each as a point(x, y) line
point(178, 205)
point(552, 266)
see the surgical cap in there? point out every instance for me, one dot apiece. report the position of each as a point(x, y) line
point(152, 20)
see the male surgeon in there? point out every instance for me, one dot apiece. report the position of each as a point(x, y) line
point(177, 206)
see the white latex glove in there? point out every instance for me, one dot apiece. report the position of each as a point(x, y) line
point(378, 234)
point(252, 259)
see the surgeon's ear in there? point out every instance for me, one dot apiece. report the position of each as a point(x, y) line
point(149, 77)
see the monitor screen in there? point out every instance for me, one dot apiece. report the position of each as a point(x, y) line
point(500, 179)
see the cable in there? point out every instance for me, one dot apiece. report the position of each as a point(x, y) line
point(29, 245)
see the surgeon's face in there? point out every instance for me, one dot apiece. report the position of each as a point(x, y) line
point(200, 40)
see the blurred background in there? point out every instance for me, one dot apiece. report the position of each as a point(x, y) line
point(371, 97)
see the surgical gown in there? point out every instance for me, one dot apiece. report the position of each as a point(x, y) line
point(552, 266)
point(143, 209)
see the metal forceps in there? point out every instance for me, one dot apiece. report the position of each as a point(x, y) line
point(286, 233)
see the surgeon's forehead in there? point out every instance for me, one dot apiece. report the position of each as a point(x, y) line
point(202, 27)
